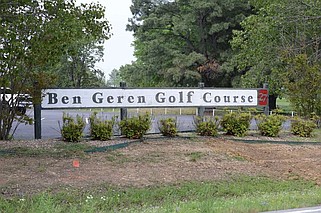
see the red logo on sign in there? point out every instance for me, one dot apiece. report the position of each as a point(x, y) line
point(263, 97)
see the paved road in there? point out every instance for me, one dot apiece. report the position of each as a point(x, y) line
point(52, 120)
point(316, 209)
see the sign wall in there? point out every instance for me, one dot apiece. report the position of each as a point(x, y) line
point(160, 97)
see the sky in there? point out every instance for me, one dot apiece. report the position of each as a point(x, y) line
point(118, 49)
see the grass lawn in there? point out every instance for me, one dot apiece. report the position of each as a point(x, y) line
point(241, 194)
point(284, 104)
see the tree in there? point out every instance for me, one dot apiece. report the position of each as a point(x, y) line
point(183, 42)
point(77, 68)
point(114, 78)
point(276, 34)
point(304, 85)
point(34, 36)
point(139, 74)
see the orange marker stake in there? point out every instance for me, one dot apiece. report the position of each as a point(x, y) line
point(75, 163)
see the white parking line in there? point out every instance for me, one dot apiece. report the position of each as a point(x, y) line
point(302, 210)
point(306, 211)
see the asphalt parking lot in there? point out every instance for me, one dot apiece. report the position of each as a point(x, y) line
point(51, 121)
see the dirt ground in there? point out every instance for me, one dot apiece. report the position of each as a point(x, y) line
point(157, 161)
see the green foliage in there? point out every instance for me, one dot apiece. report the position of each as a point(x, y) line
point(316, 119)
point(270, 125)
point(251, 58)
point(206, 126)
point(135, 127)
point(101, 129)
point(39, 36)
point(304, 85)
point(168, 127)
point(236, 123)
point(264, 51)
point(245, 194)
point(302, 127)
point(78, 69)
point(72, 129)
point(179, 43)
point(114, 78)
point(195, 156)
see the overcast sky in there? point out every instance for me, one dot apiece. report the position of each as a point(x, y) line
point(118, 49)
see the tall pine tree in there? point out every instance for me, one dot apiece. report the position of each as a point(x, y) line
point(179, 43)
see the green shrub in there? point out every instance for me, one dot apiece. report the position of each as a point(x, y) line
point(269, 125)
point(101, 129)
point(207, 127)
point(72, 129)
point(302, 128)
point(168, 127)
point(236, 124)
point(316, 119)
point(135, 127)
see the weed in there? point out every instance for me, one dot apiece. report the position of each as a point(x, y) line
point(41, 167)
point(117, 157)
point(194, 156)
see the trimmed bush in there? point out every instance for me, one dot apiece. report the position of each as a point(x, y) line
point(72, 128)
point(236, 124)
point(168, 127)
point(269, 125)
point(316, 119)
point(302, 128)
point(206, 127)
point(135, 127)
point(101, 129)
